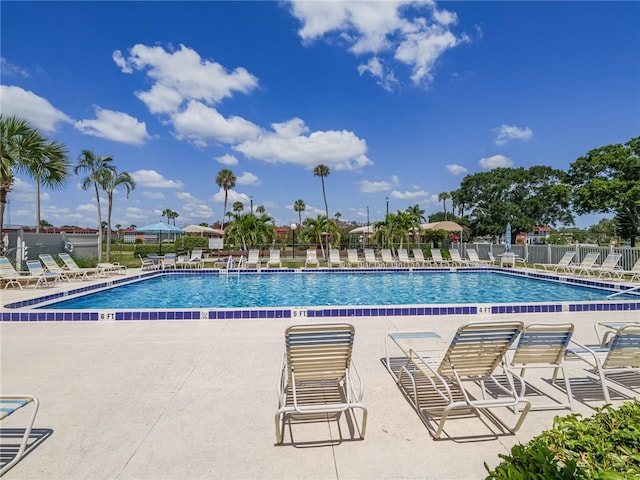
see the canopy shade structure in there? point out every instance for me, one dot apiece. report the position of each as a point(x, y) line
point(446, 225)
point(159, 228)
point(202, 230)
point(362, 230)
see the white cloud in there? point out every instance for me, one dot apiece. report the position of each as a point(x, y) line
point(25, 104)
point(227, 159)
point(87, 207)
point(185, 73)
point(495, 161)
point(198, 122)
point(290, 142)
point(511, 132)
point(390, 28)
point(116, 126)
point(456, 169)
point(153, 195)
point(374, 67)
point(151, 178)
point(9, 69)
point(367, 186)
point(233, 196)
point(135, 214)
point(409, 195)
point(248, 178)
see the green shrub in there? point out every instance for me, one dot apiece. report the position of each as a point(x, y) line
point(153, 248)
point(604, 446)
point(189, 243)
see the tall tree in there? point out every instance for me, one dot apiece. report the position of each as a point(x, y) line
point(607, 180)
point(260, 209)
point(95, 166)
point(323, 171)
point(24, 148)
point(225, 180)
point(443, 197)
point(166, 213)
point(110, 180)
point(299, 206)
point(315, 229)
point(237, 207)
point(538, 195)
point(173, 216)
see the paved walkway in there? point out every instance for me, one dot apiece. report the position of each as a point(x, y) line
point(196, 400)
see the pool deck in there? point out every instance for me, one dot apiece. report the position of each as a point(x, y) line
point(196, 400)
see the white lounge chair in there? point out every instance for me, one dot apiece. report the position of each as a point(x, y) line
point(274, 259)
point(195, 260)
point(619, 352)
point(312, 258)
point(633, 273)
point(609, 267)
point(318, 378)
point(440, 383)
point(71, 264)
point(474, 259)
point(11, 277)
point(113, 267)
point(147, 263)
point(456, 258)
point(371, 259)
point(542, 345)
point(353, 259)
point(51, 265)
point(418, 257)
point(403, 258)
point(253, 259)
point(437, 259)
point(561, 266)
point(587, 263)
point(387, 258)
point(334, 258)
point(9, 405)
point(41, 276)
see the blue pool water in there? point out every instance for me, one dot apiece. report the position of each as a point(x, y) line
point(309, 289)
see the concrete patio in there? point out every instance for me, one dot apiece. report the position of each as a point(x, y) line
point(196, 400)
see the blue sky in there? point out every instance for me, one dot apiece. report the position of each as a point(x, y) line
point(399, 99)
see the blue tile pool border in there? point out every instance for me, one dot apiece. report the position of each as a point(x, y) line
point(22, 312)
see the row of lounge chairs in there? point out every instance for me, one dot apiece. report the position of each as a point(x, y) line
point(480, 370)
point(46, 272)
point(609, 268)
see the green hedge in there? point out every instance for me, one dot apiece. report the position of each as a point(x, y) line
point(604, 446)
point(189, 243)
point(145, 249)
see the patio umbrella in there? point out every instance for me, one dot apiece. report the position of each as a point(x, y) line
point(159, 228)
point(507, 238)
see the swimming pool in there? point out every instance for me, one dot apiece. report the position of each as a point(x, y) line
point(337, 289)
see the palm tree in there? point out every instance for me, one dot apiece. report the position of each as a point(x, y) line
point(249, 230)
point(314, 230)
point(49, 167)
point(166, 213)
point(109, 181)
point(14, 135)
point(23, 147)
point(237, 207)
point(95, 166)
point(225, 180)
point(444, 196)
point(323, 171)
point(173, 216)
point(260, 209)
point(299, 206)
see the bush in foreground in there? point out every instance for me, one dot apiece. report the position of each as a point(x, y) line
point(604, 446)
